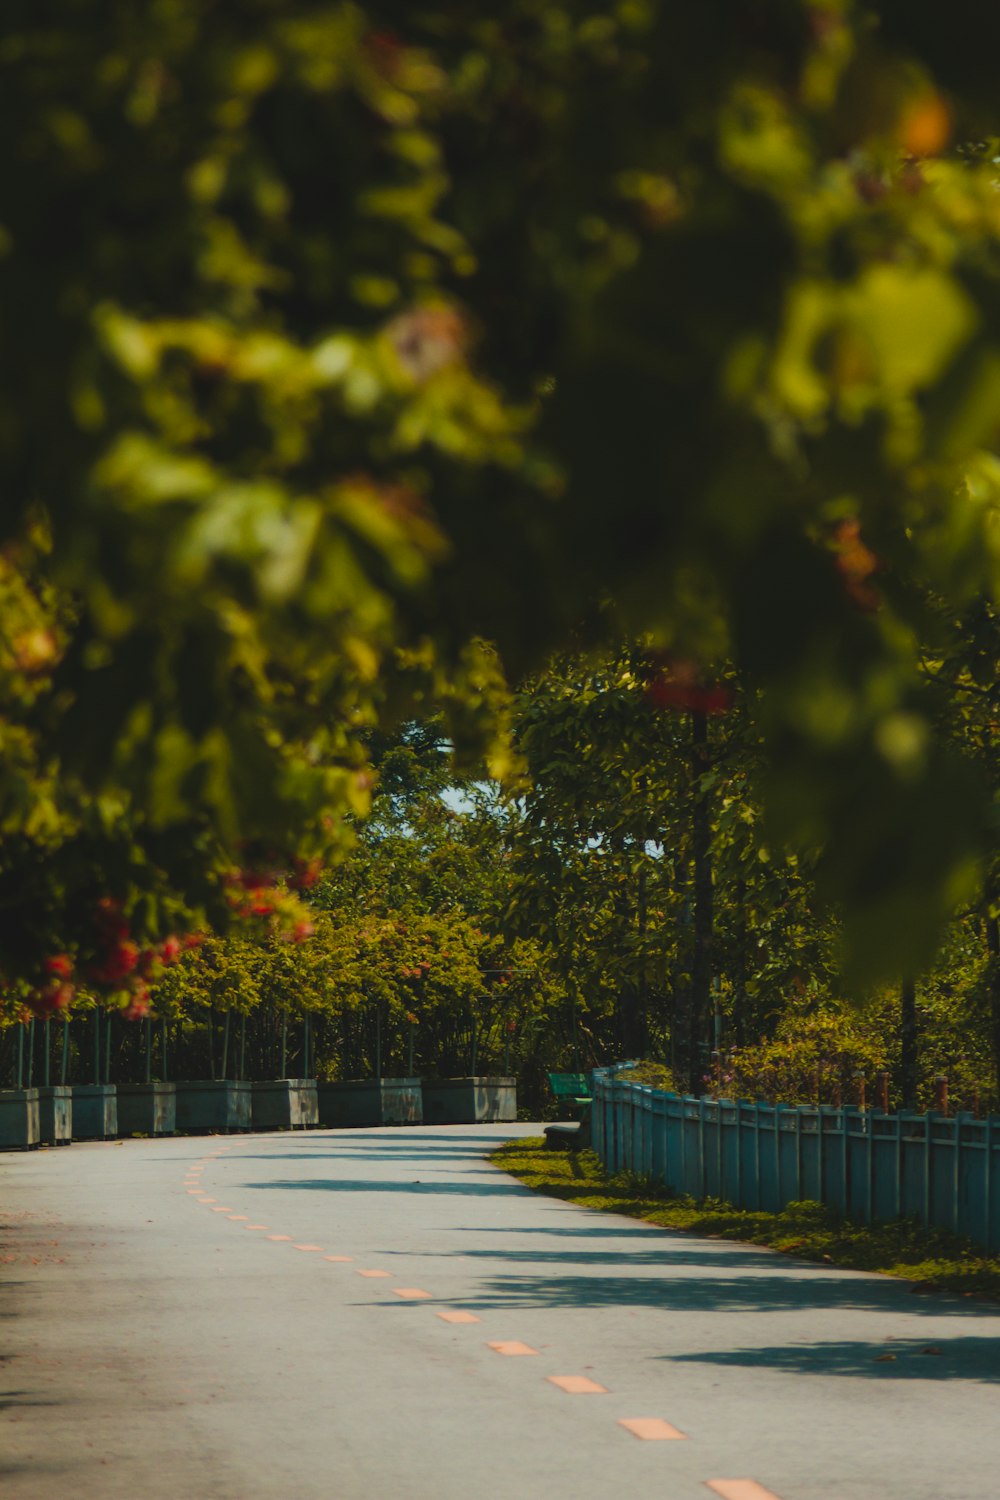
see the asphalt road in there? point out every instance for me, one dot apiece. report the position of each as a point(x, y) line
point(193, 1318)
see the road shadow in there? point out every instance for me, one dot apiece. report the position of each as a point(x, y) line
point(363, 1185)
point(618, 1230)
point(20, 1399)
point(965, 1357)
point(380, 1137)
point(750, 1292)
point(664, 1258)
point(397, 1155)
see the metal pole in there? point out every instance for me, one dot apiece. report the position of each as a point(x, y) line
point(20, 1054)
point(163, 1048)
point(243, 1045)
point(378, 1040)
point(475, 1044)
point(149, 1049)
point(409, 1054)
point(47, 1061)
point(97, 1044)
point(284, 1042)
point(31, 1051)
point(305, 1046)
point(65, 1051)
point(107, 1048)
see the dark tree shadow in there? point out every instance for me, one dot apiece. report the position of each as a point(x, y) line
point(968, 1357)
point(721, 1293)
point(363, 1185)
point(378, 1137)
point(664, 1258)
point(9, 1399)
point(397, 1155)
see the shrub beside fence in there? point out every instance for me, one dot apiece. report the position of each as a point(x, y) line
point(872, 1166)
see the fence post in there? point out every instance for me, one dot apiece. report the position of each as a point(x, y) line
point(756, 1143)
point(928, 1169)
point(701, 1145)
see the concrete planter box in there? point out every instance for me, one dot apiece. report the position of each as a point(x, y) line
point(55, 1114)
point(18, 1119)
point(371, 1101)
point(222, 1105)
point(285, 1104)
point(147, 1108)
point(95, 1111)
point(469, 1101)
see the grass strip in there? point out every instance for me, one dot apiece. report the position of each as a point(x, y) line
point(931, 1259)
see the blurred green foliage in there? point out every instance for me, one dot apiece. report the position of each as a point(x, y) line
point(340, 341)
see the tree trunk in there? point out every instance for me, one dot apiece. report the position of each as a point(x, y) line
point(699, 1046)
point(908, 1043)
point(634, 1021)
point(993, 989)
point(741, 965)
point(680, 978)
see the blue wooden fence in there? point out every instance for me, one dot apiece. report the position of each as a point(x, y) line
point(941, 1170)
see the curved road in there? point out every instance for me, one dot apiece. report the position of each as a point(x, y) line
point(358, 1315)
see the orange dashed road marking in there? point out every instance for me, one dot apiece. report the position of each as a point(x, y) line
point(411, 1293)
point(512, 1346)
point(740, 1489)
point(221, 1210)
point(338, 1257)
point(307, 1247)
point(196, 1192)
point(209, 1200)
point(373, 1273)
point(286, 1237)
point(457, 1316)
point(239, 1217)
point(257, 1226)
point(579, 1385)
point(653, 1429)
